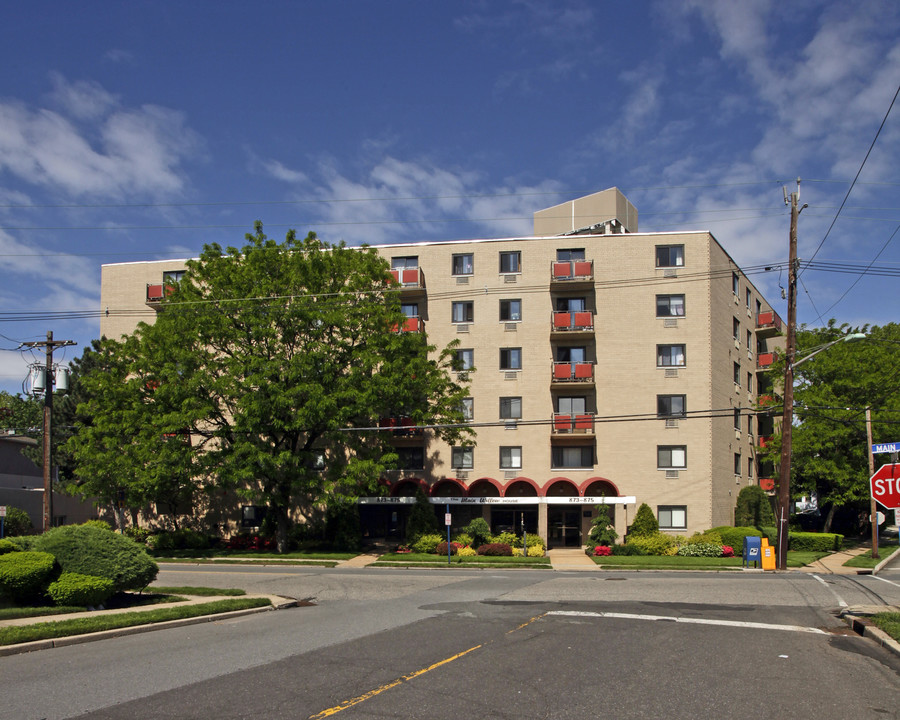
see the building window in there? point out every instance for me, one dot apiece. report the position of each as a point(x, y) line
point(569, 254)
point(669, 256)
point(463, 264)
point(750, 468)
point(737, 373)
point(669, 406)
point(510, 408)
point(465, 359)
point(511, 262)
point(462, 457)
point(410, 310)
point(758, 308)
point(737, 464)
point(510, 358)
point(510, 458)
point(407, 262)
point(670, 356)
point(463, 312)
point(671, 456)
point(573, 457)
point(737, 418)
point(735, 284)
point(410, 458)
point(736, 328)
point(749, 382)
point(672, 517)
point(749, 298)
point(468, 409)
point(670, 306)
point(172, 277)
point(750, 423)
point(749, 341)
point(510, 310)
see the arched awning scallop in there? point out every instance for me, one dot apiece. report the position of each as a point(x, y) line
point(485, 487)
point(561, 487)
point(407, 487)
point(599, 487)
point(521, 487)
point(448, 487)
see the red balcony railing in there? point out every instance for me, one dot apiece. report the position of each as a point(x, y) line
point(573, 372)
point(765, 441)
point(400, 426)
point(572, 270)
point(565, 423)
point(763, 360)
point(412, 324)
point(768, 319)
point(408, 277)
point(767, 484)
point(156, 291)
point(573, 321)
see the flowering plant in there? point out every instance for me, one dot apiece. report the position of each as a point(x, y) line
point(727, 551)
point(404, 549)
point(602, 551)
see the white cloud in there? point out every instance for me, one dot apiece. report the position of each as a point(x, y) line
point(79, 274)
point(95, 147)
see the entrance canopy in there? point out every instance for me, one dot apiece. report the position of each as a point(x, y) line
point(562, 500)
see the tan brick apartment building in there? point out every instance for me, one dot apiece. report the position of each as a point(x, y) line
point(608, 363)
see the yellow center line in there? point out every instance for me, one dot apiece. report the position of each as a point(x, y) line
point(377, 691)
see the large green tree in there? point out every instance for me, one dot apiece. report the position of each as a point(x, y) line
point(831, 391)
point(280, 359)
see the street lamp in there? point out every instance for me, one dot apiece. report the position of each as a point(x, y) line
point(787, 422)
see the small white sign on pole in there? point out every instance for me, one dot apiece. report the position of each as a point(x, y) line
point(447, 520)
point(2, 510)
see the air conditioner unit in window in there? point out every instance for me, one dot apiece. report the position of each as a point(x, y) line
point(462, 475)
point(670, 322)
point(670, 273)
point(737, 434)
point(511, 376)
point(671, 474)
point(462, 281)
point(510, 475)
point(671, 372)
point(511, 425)
point(671, 423)
point(510, 278)
point(510, 327)
point(462, 328)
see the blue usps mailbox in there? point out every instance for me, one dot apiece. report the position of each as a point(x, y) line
point(752, 551)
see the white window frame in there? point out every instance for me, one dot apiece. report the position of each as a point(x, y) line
point(510, 457)
point(668, 515)
point(675, 454)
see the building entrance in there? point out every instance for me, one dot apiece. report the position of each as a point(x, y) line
point(564, 527)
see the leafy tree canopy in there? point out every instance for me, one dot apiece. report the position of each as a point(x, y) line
point(280, 359)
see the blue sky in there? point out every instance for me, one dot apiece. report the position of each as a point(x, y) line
point(142, 130)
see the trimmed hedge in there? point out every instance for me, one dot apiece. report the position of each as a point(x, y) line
point(24, 575)
point(495, 549)
point(427, 544)
point(657, 544)
point(734, 536)
point(815, 542)
point(91, 550)
point(82, 590)
point(8, 546)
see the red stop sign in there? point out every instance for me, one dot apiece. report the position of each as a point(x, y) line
point(885, 486)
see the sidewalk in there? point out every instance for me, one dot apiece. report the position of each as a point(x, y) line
point(833, 564)
point(571, 559)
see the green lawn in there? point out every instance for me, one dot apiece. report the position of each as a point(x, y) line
point(431, 560)
point(96, 623)
point(885, 549)
point(889, 622)
point(666, 562)
point(220, 554)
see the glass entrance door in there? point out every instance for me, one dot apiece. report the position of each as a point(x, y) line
point(564, 527)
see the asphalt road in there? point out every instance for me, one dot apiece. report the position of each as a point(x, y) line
point(458, 643)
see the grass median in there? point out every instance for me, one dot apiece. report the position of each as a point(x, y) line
point(889, 622)
point(470, 561)
point(865, 560)
point(98, 622)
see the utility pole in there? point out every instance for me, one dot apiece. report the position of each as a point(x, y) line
point(48, 345)
point(783, 495)
point(873, 508)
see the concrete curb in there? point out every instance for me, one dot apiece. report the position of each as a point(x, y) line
point(278, 603)
point(864, 627)
point(877, 568)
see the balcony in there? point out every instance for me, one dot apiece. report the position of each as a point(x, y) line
point(567, 424)
point(572, 273)
point(400, 426)
point(156, 292)
point(409, 279)
point(768, 323)
point(767, 484)
point(765, 441)
point(573, 372)
point(573, 322)
point(411, 324)
point(764, 360)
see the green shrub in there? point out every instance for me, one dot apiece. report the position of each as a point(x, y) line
point(463, 539)
point(752, 508)
point(16, 522)
point(8, 546)
point(137, 533)
point(342, 527)
point(466, 552)
point(441, 548)
point(535, 550)
point(181, 539)
point(658, 544)
point(427, 543)
point(815, 542)
point(709, 537)
point(421, 520)
point(98, 523)
point(24, 575)
point(76, 589)
point(479, 531)
point(602, 530)
point(94, 551)
point(627, 549)
point(700, 549)
point(734, 536)
point(507, 538)
point(645, 523)
point(535, 540)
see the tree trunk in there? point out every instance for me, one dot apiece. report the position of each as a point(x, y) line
point(119, 515)
point(828, 518)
